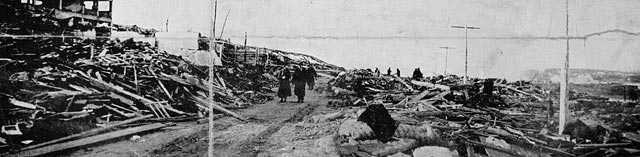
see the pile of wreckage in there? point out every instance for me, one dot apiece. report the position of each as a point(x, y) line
point(60, 92)
point(67, 93)
point(485, 117)
point(83, 88)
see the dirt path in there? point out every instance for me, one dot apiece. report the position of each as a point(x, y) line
point(273, 129)
point(261, 135)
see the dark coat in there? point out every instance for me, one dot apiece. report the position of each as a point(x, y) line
point(299, 81)
point(284, 90)
point(311, 76)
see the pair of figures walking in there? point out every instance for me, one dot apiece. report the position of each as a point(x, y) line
point(299, 76)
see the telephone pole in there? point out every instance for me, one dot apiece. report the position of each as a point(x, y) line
point(446, 57)
point(466, 49)
point(565, 78)
point(244, 48)
point(166, 25)
point(212, 52)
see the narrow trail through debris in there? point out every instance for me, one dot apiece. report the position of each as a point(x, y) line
point(251, 138)
point(252, 146)
point(254, 137)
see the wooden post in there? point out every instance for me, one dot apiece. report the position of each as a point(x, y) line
point(60, 4)
point(92, 51)
point(82, 13)
point(212, 51)
point(255, 55)
point(96, 8)
point(245, 47)
point(135, 78)
point(267, 53)
point(235, 53)
point(565, 78)
point(111, 10)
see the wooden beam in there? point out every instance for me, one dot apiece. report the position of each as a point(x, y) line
point(519, 91)
point(217, 107)
point(87, 133)
point(117, 89)
point(88, 140)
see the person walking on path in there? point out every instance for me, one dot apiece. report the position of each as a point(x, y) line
point(299, 81)
point(284, 90)
point(311, 76)
point(397, 72)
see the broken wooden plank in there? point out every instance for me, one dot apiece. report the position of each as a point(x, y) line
point(88, 140)
point(604, 145)
point(218, 107)
point(112, 87)
point(420, 96)
point(22, 103)
point(122, 108)
point(475, 143)
point(87, 133)
point(519, 91)
point(430, 85)
point(161, 85)
point(635, 137)
point(403, 82)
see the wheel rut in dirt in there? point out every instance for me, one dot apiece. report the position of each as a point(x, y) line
point(252, 147)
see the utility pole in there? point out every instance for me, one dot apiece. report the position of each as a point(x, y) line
point(212, 52)
point(466, 49)
point(446, 57)
point(565, 78)
point(166, 25)
point(245, 47)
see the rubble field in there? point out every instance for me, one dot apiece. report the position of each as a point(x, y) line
point(80, 96)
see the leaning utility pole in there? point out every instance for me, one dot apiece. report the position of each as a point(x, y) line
point(212, 51)
point(446, 57)
point(466, 49)
point(565, 78)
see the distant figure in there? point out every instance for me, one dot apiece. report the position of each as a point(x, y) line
point(377, 71)
point(389, 71)
point(417, 74)
point(299, 81)
point(397, 72)
point(311, 77)
point(284, 90)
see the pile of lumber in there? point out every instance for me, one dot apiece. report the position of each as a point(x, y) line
point(86, 84)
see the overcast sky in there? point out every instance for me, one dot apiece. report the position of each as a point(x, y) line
point(349, 25)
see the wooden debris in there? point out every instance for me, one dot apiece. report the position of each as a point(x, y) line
point(89, 140)
point(87, 133)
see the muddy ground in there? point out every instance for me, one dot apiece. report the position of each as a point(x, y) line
point(273, 129)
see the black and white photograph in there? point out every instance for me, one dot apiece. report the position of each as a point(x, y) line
point(320, 78)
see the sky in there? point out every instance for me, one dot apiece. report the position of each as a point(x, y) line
point(514, 35)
